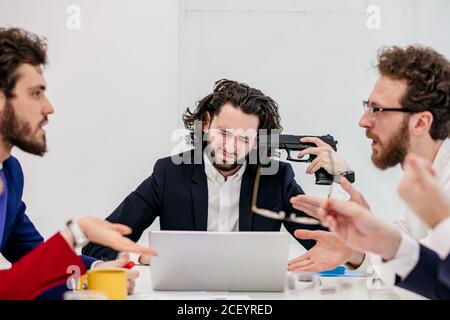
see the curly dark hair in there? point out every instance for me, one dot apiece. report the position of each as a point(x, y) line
point(17, 47)
point(247, 99)
point(428, 82)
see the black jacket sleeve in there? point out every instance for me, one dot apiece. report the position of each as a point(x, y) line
point(138, 211)
point(430, 277)
point(291, 189)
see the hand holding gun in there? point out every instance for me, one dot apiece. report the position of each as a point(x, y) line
point(322, 155)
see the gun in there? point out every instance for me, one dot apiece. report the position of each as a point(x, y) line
point(292, 143)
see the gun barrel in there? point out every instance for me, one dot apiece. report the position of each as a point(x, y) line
point(292, 142)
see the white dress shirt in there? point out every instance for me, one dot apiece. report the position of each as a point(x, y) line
point(413, 229)
point(223, 198)
point(408, 221)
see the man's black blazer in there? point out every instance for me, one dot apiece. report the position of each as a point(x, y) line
point(178, 194)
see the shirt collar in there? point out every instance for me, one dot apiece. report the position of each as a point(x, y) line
point(214, 175)
point(442, 155)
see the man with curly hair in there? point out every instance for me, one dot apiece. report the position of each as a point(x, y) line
point(24, 112)
point(213, 191)
point(408, 111)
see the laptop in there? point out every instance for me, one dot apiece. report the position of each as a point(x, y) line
point(219, 261)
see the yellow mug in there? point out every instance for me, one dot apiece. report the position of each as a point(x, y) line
point(113, 282)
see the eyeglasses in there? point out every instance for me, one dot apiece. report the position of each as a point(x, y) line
point(374, 109)
point(277, 215)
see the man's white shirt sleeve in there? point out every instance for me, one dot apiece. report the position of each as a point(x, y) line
point(439, 238)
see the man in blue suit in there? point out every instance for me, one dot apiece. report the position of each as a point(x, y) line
point(24, 110)
point(210, 187)
point(416, 267)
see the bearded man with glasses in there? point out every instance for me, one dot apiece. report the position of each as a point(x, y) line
point(408, 111)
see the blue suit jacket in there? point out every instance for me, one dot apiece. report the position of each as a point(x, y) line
point(430, 277)
point(178, 194)
point(19, 235)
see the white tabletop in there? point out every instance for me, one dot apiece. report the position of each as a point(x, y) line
point(329, 288)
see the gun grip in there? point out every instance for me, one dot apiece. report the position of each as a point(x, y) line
point(323, 177)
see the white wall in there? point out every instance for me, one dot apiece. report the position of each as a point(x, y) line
point(113, 85)
point(121, 82)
